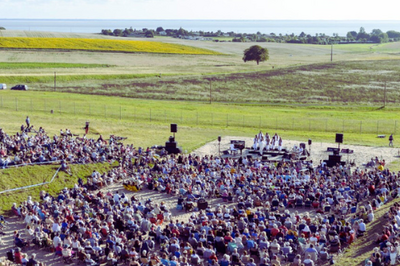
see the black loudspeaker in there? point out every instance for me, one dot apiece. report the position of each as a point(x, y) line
point(335, 158)
point(339, 138)
point(202, 204)
point(174, 128)
point(309, 141)
point(170, 146)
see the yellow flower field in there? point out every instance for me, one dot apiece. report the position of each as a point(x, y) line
point(101, 45)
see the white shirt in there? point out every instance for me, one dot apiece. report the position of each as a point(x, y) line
point(362, 227)
point(56, 227)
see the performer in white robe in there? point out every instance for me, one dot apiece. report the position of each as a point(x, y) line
point(280, 142)
point(262, 145)
point(255, 142)
point(259, 135)
point(268, 141)
point(275, 140)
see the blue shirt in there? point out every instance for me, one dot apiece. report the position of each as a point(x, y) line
point(165, 262)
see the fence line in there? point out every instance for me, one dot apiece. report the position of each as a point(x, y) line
point(194, 117)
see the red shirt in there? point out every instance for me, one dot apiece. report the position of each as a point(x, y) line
point(274, 231)
point(351, 238)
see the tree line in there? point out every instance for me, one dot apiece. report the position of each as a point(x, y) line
point(145, 32)
point(376, 36)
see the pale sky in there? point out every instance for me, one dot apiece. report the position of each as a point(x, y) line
point(202, 9)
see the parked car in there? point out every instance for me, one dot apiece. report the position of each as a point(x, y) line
point(3, 86)
point(20, 87)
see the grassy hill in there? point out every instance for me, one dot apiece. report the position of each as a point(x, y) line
point(30, 175)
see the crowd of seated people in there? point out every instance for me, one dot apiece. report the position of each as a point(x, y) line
point(27, 146)
point(271, 213)
point(387, 251)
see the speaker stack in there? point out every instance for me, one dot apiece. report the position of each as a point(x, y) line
point(171, 146)
point(336, 158)
point(339, 138)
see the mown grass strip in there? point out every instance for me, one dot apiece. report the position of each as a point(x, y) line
point(70, 78)
point(101, 45)
point(35, 65)
point(29, 175)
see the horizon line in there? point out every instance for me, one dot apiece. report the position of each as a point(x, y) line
point(203, 19)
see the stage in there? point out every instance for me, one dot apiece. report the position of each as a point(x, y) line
point(266, 156)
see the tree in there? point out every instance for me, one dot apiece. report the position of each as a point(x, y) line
point(159, 29)
point(256, 53)
point(393, 34)
point(149, 34)
point(376, 32)
point(117, 32)
point(352, 34)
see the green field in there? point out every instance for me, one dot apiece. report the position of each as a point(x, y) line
point(34, 65)
point(129, 117)
point(30, 175)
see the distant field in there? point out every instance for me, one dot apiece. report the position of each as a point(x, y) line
point(295, 73)
point(33, 65)
point(100, 45)
point(340, 83)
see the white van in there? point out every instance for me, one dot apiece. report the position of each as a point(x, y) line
point(3, 86)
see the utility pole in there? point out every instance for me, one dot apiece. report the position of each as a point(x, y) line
point(210, 91)
point(384, 96)
point(55, 80)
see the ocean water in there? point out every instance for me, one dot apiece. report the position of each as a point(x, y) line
point(328, 27)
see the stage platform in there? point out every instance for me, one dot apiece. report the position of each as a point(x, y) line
point(267, 156)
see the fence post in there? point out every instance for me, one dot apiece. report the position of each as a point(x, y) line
point(326, 125)
point(377, 127)
point(16, 104)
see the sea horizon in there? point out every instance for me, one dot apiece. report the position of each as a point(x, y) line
point(284, 26)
